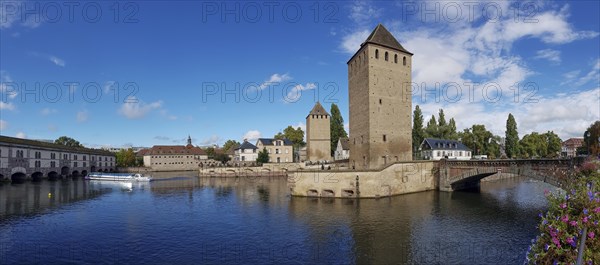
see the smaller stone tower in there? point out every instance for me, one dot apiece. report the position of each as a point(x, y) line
point(318, 134)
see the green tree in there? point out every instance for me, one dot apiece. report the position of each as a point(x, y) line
point(452, 134)
point(68, 141)
point(534, 145)
point(210, 152)
point(418, 133)
point(223, 158)
point(591, 139)
point(279, 136)
point(432, 128)
point(294, 135)
point(336, 126)
point(229, 143)
point(481, 141)
point(511, 137)
point(553, 143)
point(263, 156)
point(126, 158)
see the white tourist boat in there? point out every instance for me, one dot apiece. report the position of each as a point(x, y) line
point(118, 176)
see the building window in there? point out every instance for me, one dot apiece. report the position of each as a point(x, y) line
point(379, 101)
point(84, 158)
point(75, 156)
point(75, 164)
point(276, 151)
point(439, 153)
point(395, 58)
point(386, 56)
point(52, 164)
point(376, 54)
point(384, 138)
point(84, 164)
point(404, 60)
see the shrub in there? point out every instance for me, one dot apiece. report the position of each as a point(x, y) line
point(562, 227)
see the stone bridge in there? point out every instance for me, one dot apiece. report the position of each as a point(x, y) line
point(457, 175)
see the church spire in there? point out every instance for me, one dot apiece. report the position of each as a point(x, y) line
point(189, 140)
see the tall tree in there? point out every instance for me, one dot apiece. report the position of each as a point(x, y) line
point(68, 141)
point(229, 143)
point(432, 128)
point(336, 127)
point(418, 133)
point(263, 156)
point(591, 139)
point(452, 134)
point(553, 144)
point(511, 137)
point(279, 136)
point(534, 145)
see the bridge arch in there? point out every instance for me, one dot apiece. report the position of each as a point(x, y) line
point(93, 169)
point(52, 175)
point(1, 177)
point(84, 173)
point(456, 175)
point(18, 177)
point(37, 176)
point(75, 173)
point(64, 171)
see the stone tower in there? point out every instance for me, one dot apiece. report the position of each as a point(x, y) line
point(379, 77)
point(318, 134)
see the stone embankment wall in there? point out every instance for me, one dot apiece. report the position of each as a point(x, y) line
point(396, 179)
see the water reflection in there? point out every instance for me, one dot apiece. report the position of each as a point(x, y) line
point(31, 198)
point(181, 218)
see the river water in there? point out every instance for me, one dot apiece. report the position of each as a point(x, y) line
point(183, 219)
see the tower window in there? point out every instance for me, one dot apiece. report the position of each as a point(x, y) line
point(379, 101)
point(376, 53)
point(384, 138)
point(395, 58)
point(404, 60)
point(386, 56)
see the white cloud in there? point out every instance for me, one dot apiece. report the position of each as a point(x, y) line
point(212, 140)
point(166, 114)
point(21, 135)
point(552, 56)
point(9, 13)
point(48, 111)
point(3, 125)
point(296, 92)
point(6, 106)
point(275, 79)
point(134, 108)
point(82, 116)
point(252, 135)
point(57, 61)
point(351, 42)
point(109, 86)
point(568, 116)
point(361, 12)
point(4, 79)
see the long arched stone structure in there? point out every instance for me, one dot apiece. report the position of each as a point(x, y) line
point(457, 175)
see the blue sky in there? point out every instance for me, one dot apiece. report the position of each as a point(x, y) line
point(151, 72)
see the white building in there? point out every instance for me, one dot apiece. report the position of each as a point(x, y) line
point(22, 159)
point(246, 152)
point(342, 151)
point(436, 149)
point(280, 150)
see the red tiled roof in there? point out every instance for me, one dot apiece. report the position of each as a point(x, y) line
point(574, 142)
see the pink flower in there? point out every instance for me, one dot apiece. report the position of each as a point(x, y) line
point(591, 235)
point(565, 218)
point(563, 205)
point(597, 210)
point(573, 223)
point(556, 242)
point(585, 219)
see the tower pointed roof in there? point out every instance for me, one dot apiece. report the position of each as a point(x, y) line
point(383, 37)
point(318, 110)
